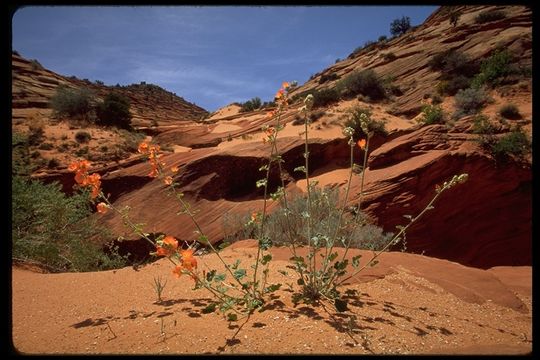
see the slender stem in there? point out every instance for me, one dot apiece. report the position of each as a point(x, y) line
point(263, 219)
point(397, 236)
point(191, 215)
point(306, 156)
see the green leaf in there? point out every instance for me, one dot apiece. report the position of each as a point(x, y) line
point(283, 272)
point(332, 256)
point(356, 261)
point(219, 277)
point(203, 239)
point(265, 243)
point(300, 281)
point(209, 309)
point(375, 262)
point(272, 288)
point(341, 305)
point(341, 265)
point(210, 275)
point(261, 183)
point(232, 317)
point(266, 258)
point(223, 245)
point(263, 168)
point(300, 169)
point(239, 273)
point(235, 265)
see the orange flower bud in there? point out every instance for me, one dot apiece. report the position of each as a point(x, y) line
point(362, 144)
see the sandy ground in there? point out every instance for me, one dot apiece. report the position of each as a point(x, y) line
point(395, 309)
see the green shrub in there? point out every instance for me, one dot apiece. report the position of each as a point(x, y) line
point(82, 137)
point(365, 82)
point(436, 100)
point(432, 114)
point(324, 97)
point(489, 15)
point(251, 105)
point(46, 146)
point(53, 163)
point(73, 103)
point(453, 63)
point(354, 121)
point(20, 154)
point(470, 101)
point(400, 26)
point(454, 17)
point(114, 111)
point(514, 144)
point(328, 77)
point(452, 86)
point(325, 214)
point(510, 111)
point(389, 56)
point(494, 69)
point(35, 134)
point(53, 229)
point(382, 38)
point(131, 140)
point(35, 65)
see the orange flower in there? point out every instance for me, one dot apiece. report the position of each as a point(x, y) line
point(153, 173)
point(188, 261)
point(102, 208)
point(161, 251)
point(174, 169)
point(168, 180)
point(279, 94)
point(285, 85)
point(177, 271)
point(362, 143)
point(254, 216)
point(170, 242)
point(271, 113)
point(143, 147)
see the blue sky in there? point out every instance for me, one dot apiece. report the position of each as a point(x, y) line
point(209, 55)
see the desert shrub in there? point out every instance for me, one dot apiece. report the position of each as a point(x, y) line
point(513, 144)
point(432, 114)
point(489, 15)
point(289, 222)
point(365, 82)
point(324, 97)
point(436, 99)
point(73, 103)
point(389, 56)
point(82, 137)
point(400, 26)
point(35, 134)
point(354, 121)
point(53, 229)
point(328, 77)
point(453, 63)
point(35, 65)
point(453, 85)
point(53, 163)
point(46, 146)
point(82, 151)
point(131, 140)
point(20, 154)
point(510, 111)
point(114, 111)
point(313, 117)
point(382, 38)
point(470, 101)
point(454, 17)
point(494, 69)
point(251, 105)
